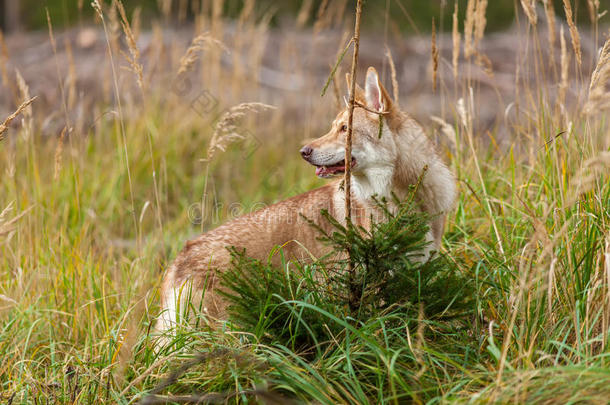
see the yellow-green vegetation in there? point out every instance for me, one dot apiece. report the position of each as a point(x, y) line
point(90, 218)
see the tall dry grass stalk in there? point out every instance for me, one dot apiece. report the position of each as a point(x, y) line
point(4, 125)
point(227, 131)
point(338, 11)
point(455, 36)
point(58, 154)
point(4, 64)
point(322, 17)
point(136, 22)
point(335, 71)
point(72, 76)
point(337, 89)
point(606, 314)
point(573, 31)
point(552, 30)
point(24, 93)
point(199, 43)
point(434, 56)
point(241, 37)
point(480, 21)
point(113, 30)
point(8, 225)
point(529, 8)
point(469, 29)
point(213, 60)
point(58, 72)
point(565, 66)
point(304, 13)
point(593, 171)
point(121, 124)
point(598, 99)
point(395, 87)
point(166, 7)
point(593, 8)
point(447, 130)
point(5, 224)
point(134, 54)
point(246, 13)
point(466, 115)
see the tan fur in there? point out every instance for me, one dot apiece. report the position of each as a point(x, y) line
point(385, 165)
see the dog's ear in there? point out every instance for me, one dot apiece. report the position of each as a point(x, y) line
point(360, 97)
point(377, 98)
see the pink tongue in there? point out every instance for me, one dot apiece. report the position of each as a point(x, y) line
point(325, 171)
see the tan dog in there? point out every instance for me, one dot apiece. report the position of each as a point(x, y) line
point(381, 165)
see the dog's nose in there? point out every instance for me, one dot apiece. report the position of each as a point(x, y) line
point(306, 152)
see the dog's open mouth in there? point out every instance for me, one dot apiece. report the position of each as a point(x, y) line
point(332, 170)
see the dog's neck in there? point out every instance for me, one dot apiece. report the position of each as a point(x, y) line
point(413, 154)
point(376, 181)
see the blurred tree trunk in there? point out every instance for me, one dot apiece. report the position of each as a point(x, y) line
point(11, 20)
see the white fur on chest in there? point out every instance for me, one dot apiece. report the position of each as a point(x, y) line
point(375, 181)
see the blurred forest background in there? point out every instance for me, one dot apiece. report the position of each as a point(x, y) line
point(30, 14)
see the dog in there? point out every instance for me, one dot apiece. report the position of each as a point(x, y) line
point(387, 159)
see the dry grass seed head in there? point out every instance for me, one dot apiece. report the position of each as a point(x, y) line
point(591, 172)
point(24, 94)
point(98, 8)
point(468, 29)
point(446, 130)
point(4, 125)
point(455, 36)
point(529, 8)
point(114, 25)
point(479, 21)
point(134, 58)
point(463, 113)
point(7, 225)
point(199, 43)
point(136, 21)
point(599, 87)
point(573, 31)
point(226, 131)
point(485, 63)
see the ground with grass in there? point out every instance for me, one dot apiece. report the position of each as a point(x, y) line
point(91, 216)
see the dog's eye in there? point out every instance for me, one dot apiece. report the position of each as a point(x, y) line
point(343, 128)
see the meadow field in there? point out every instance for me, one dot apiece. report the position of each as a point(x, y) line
point(127, 134)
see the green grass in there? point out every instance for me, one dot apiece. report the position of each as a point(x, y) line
point(79, 282)
point(81, 267)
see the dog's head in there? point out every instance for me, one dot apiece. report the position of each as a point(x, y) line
point(371, 149)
